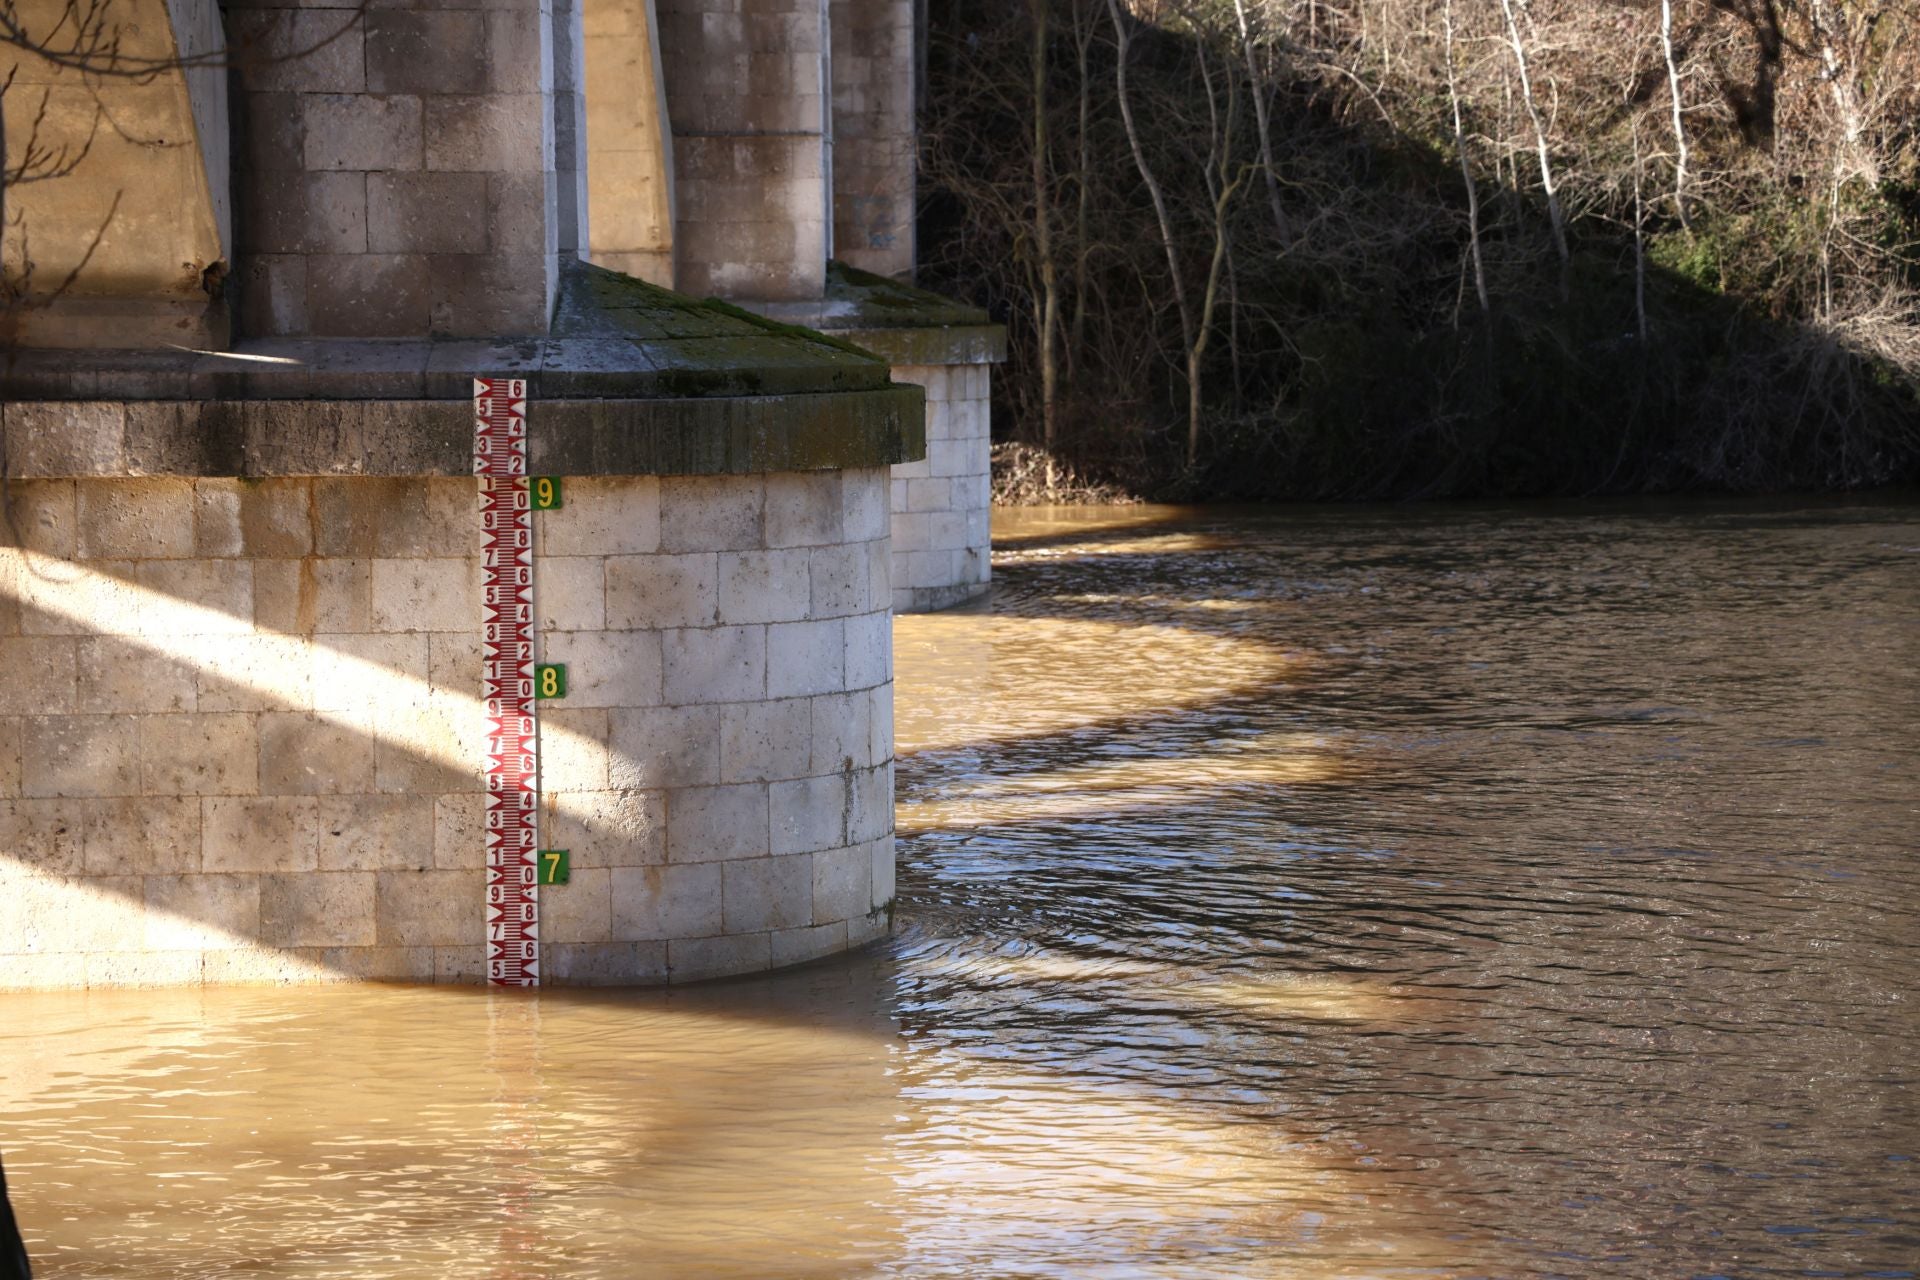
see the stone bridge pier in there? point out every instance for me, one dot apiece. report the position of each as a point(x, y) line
point(242, 735)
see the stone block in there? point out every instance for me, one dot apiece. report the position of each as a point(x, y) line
point(765, 741)
point(426, 595)
point(136, 519)
point(272, 136)
point(201, 912)
point(574, 748)
point(427, 213)
point(660, 591)
point(272, 291)
point(579, 911)
point(375, 833)
point(864, 504)
point(46, 836)
point(808, 813)
point(607, 828)
point(454, 663)
point(368, 673)
point(572, 593)
point(842, 883)
point(517, 221)
point(299, 50)
point(428, 748)
point(796, 946)
point(879, 575)
point(602, 964)
point(929, 495)
point(66, 439)
point(717, 824)
point(880, 724)
point(715, 664)
point(81, 599)
point(497, 292)
point(348, 512)
point(763, 586)
point(479, 134)
point(217, 596)
point(369, 295)
point(839, 580)
point(428, 52)
point(608, 668)
point(459, 830)
point(302, 753)
point(656, 902)
point(519, 59)
point(429, 908)
point(307, 213)
point(912, 531)
point(362, 131)
point(841, 737)
point(883, 873)
point(804, 509)
point(466, 965)
point(869, 651)
point(142, 835)
point(331, 910)
point(270, 833)
point(603, 515)
point(766, 893)
point(43, 673)
point(80, 756)
point(870, 813)
point(664, 747)
point(806, 658)
point(43, 516)
point(421, 517)
point(251, 673)
point(711, 513)
point(9, 756)
point(211, 754)
point(868, 928)
point(143, 968)
point(691, 959)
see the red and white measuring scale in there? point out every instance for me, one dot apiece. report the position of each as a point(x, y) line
point(506, 656)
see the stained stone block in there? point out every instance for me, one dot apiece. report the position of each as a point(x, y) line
point(80, 756)
point(766, 893)
point(361, 131)
point(427, 212)
point(428, 908)
point(335, 909)
point(428, 52)
point(661, 902)
point(274, 833)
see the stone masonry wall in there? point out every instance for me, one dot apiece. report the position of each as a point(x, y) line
point(240, 731)
point(873, 135)
point(398, 179)
point(748, 109)
point(942, 504)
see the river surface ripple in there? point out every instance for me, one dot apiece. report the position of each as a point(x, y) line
point(1457, 892)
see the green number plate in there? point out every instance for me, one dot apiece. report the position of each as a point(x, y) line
point(550, 680)
point(556, 865)
point(545, 491)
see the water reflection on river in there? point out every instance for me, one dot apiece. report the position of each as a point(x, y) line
point(1357, 893)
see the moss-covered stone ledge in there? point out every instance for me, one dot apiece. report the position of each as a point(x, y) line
point(900, 323)
point(634, 380)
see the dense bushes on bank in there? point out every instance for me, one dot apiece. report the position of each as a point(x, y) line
point(1587, 314)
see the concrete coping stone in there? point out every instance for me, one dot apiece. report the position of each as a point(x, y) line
point(712, 435)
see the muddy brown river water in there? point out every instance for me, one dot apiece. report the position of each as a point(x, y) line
point(1328, 893)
